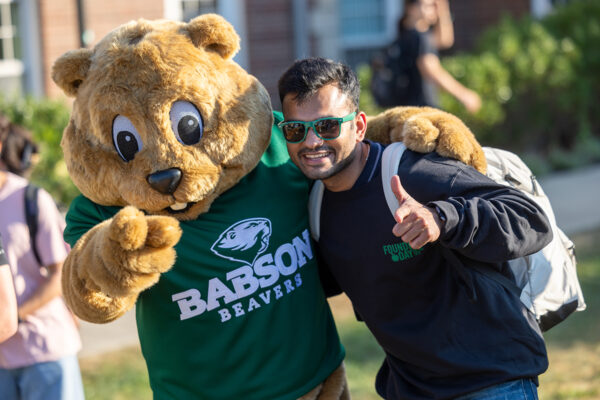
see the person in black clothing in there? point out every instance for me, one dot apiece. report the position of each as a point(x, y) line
point(448, 331)
point(425, 28)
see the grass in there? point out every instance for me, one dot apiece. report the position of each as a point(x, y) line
point(574, 346)
point(573, 349)
point(119, 375)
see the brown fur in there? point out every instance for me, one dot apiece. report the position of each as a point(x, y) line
point(138, 71)
point(426, 129)
point(333, 388)
point(168, 67)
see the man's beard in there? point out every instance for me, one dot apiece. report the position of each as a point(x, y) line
point(334, 170)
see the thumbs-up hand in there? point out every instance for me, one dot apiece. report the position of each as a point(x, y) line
point(416, 224)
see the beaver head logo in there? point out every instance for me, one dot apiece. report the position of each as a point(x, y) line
point(244, 241)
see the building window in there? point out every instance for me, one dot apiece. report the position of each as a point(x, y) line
point(360, 19)
point(11, 66)
point(366, 26)
point(9, 40)
point(541, 8)
point(193, 8)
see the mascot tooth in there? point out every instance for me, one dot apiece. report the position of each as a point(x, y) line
point(178, 206)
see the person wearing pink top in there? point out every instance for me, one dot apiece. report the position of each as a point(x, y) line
point(40, 360)
point(8, 300)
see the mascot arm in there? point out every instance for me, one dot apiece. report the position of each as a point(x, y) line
point(115, 260)
point(426, 129)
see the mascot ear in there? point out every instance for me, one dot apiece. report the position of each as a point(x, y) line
point(213, 32)
point(70, 70)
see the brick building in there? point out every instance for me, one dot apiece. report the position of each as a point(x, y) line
point(33, 33)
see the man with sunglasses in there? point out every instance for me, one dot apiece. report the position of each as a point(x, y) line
point(448, 332)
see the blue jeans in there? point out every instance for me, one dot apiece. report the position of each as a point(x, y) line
point(522, 389)
point(55, 380)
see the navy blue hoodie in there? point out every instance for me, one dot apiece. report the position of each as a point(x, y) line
point(447, 329)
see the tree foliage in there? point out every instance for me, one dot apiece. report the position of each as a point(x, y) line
point(46, 119)
point(539, 81)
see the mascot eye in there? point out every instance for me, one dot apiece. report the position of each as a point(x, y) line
point(186, 122)
point(126, 138)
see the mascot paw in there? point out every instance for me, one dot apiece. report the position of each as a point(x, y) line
point(140, 248)
point(435, 130)
point(418, 134)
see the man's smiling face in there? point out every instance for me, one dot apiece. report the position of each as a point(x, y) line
point(318, 158)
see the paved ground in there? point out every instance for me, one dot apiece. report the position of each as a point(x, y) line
point(101, 338)
point(574, 197)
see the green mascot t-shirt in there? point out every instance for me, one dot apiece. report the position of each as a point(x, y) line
point(242, 314)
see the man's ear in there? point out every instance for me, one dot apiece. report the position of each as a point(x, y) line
point(361, 126)
point(214, 33)
point(70, 70)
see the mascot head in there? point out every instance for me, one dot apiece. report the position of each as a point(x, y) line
point(163, 118)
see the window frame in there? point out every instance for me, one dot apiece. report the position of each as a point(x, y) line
point(10, 66)
point(392, 11)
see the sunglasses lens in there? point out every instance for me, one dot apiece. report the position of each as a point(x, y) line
point(328, 128)
point(293, 132)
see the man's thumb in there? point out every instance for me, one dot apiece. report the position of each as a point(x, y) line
point(399, 192)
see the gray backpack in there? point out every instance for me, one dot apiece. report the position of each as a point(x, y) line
point(546, 281)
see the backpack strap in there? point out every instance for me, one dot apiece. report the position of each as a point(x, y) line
point(314, 209)
point(31, 216)
point(390, 160)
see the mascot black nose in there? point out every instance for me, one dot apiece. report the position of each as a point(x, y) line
point(165, 181)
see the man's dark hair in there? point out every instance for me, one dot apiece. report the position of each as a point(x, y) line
point(305, 77)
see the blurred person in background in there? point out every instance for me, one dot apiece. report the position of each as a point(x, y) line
point(411, 65)
point(40, 360)
point(8, 300)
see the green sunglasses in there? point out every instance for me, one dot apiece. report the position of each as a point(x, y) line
point(327, 128)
